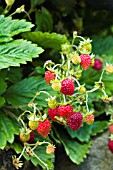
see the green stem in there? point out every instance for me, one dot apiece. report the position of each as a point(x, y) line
point(104, 92)
point(87, 103)
point(22, 153)
point(41, 161)
point(94, 89)
point(45, 93)
point(64, 99)
point(76, 81)
point(101, 75)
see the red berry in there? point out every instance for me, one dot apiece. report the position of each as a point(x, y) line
point(65, 111)
point(111, 129)
point(52, 113)
point(97, 64)
point(49, 76)
point(110, 145)
point(85, 61)
point(44, 128)
point(67, 87)
point(89, 119)
point(32, 135)
point(75, 121)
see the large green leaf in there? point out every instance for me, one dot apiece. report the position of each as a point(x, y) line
point(22, 92)
point(86, 131)
point(44, 20)
point(10, 27)
point(3, 86)
point(17, 52)
point(103, 46)
point(75, 150)
point(8, 129)
point(46, 40)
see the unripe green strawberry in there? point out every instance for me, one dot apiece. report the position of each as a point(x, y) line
point(82, 89)
point(52, 103)
point(76, 58)
point(89, 119)
point(9, 2)
point(24, 134)
point(56, 85)
point(33, 124)
point(85, 47)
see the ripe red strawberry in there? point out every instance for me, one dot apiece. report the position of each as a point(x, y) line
point(52, 113)
point(44, 128)
point(65, 111)
point(32, 135)
point(110, 145)
point(49, 76)
point(97, 64)
point(85, 61)
point(111, 129)
point(33, 124)
point(89, 119)
point(67, 87)
point(75, 121)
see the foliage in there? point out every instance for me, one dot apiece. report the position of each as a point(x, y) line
point(21, 75)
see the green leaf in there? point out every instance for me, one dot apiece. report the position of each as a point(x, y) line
point(83, 134)
point(7, 130)
point(86, 131)
point(44, 20)
point(76, 151)
point(3, 139)
point(103, 46)
point(17, 52)
point(3, 85)
point(22, 92)
point(10, 27)
point(2, 101)
point(8, 74)
point(46, 40)
point(36, 2)
point(98, 127)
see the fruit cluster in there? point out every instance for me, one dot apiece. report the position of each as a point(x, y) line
point(69, 106)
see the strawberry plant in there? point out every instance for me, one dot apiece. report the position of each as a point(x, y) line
point(54, 104)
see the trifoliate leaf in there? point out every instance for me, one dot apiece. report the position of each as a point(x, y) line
point(46, 40)
point(17, 52)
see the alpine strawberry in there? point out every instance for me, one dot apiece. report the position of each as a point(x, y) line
point(75, 121)
point(89, 119)
point(44, 128)
point(85, 61)
point(49, 76)
point(52, 113)
point(110, 145)
point(97, 64)
point(65, 111)
point(111, 129)
point(33, 124)
point(67, 87)
point(32, 135)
